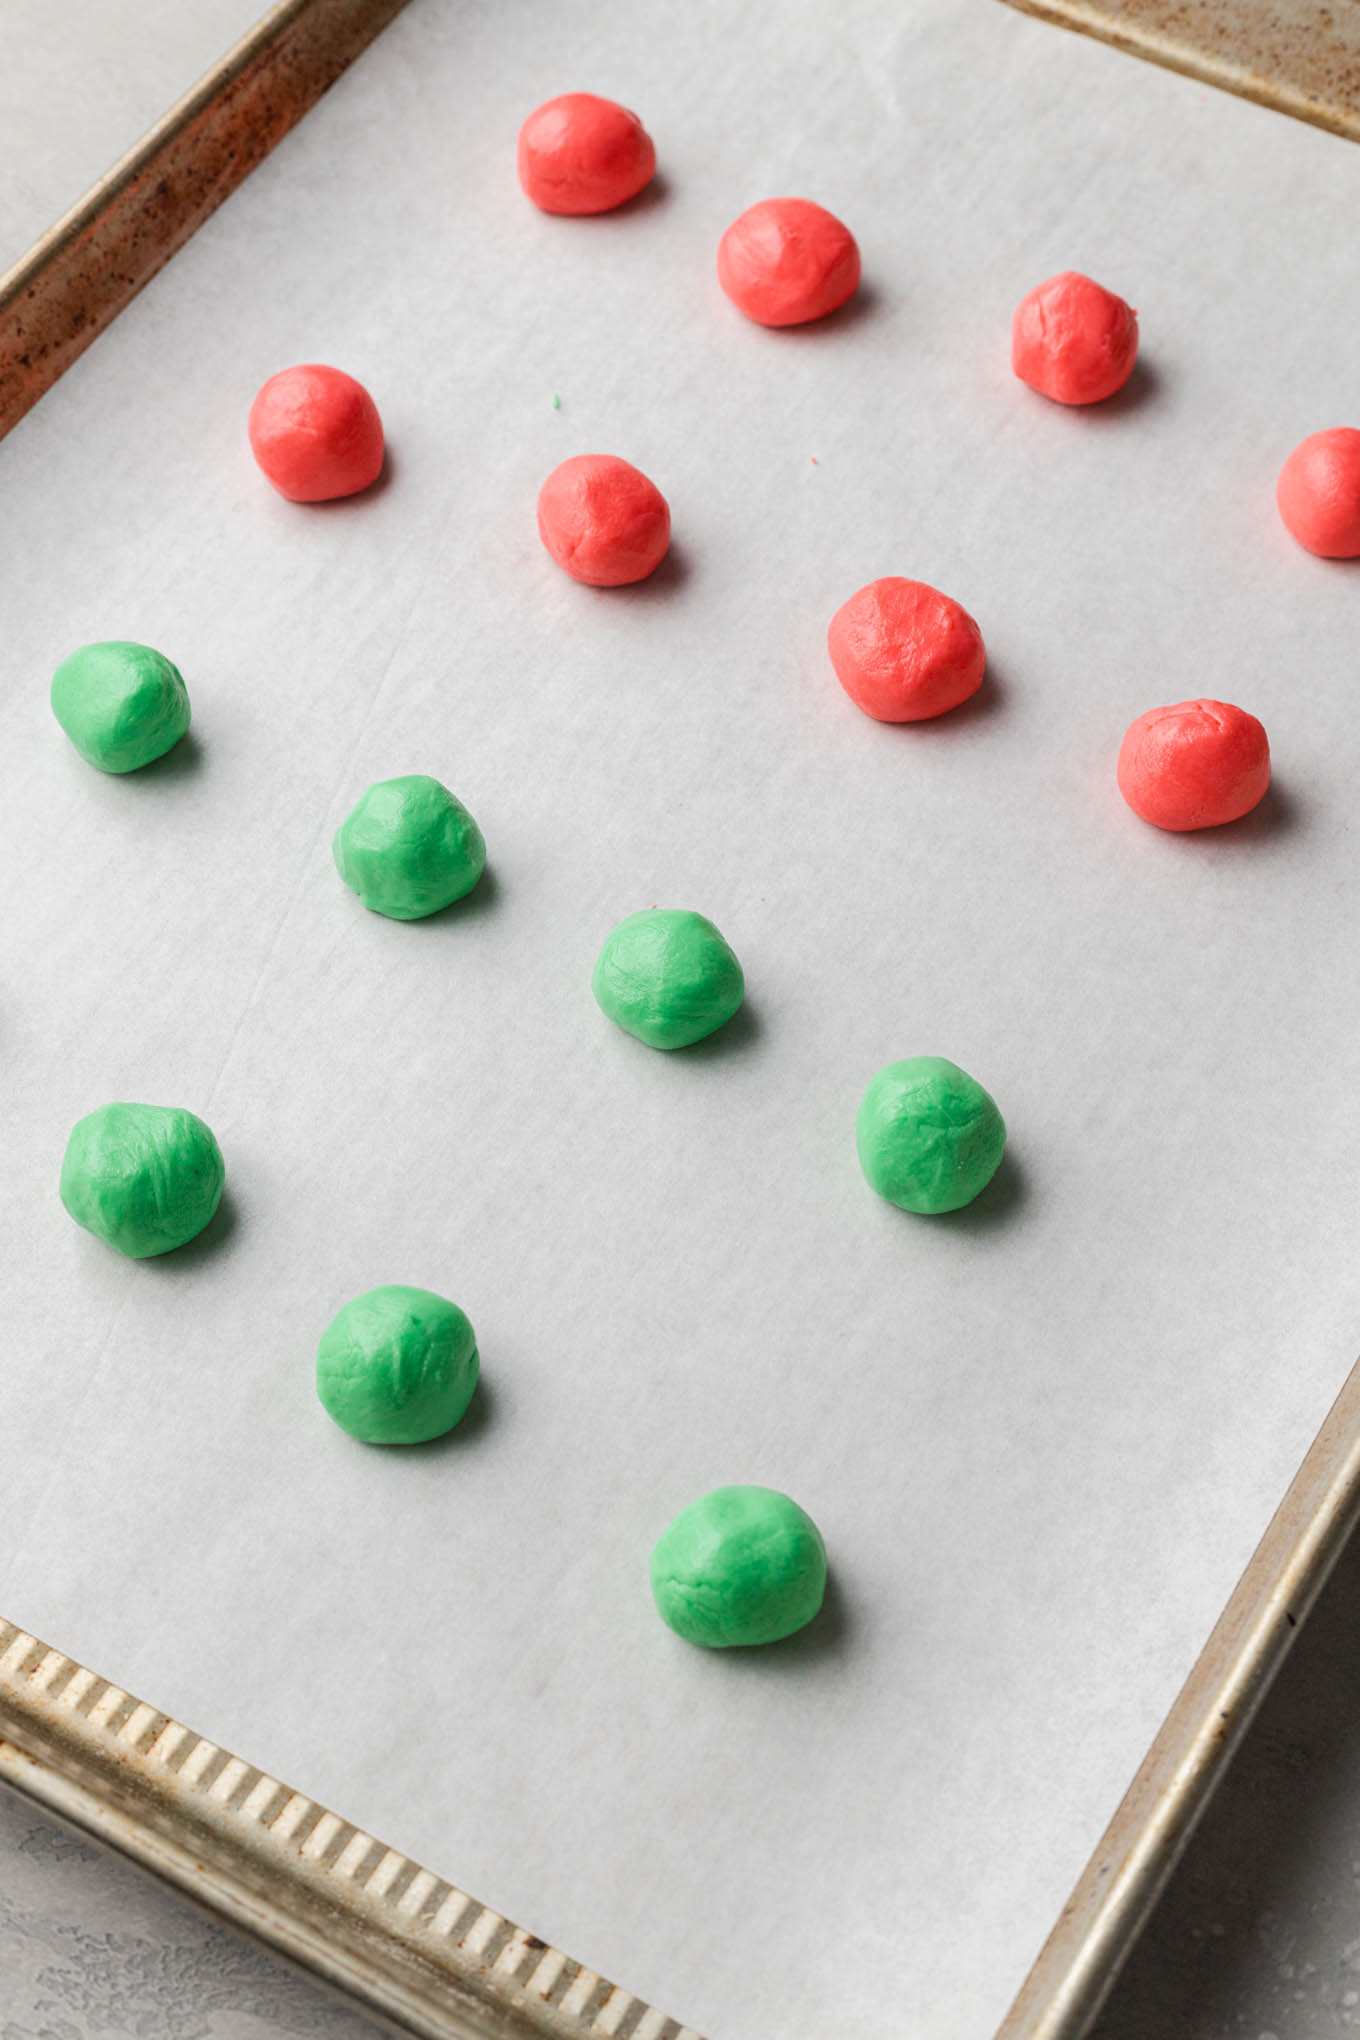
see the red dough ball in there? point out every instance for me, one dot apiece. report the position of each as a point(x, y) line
point(1319, 493)
point(603, 521)
point(580, 154)
point(904, 652)
point(316, 433)
point(787, 260)
point(1194, 766)
point(1073, 341)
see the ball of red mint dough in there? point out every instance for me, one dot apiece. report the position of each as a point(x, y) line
point(1194, 766)
point(580, 154)
point(603, 521)
point(1073, 341)
point(1319, 493)
point(316, 433)
point(786, 261)
point(904, 652)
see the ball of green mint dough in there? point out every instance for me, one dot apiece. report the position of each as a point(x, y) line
point(739, 1565)
point(929, 1137)
point(668, 977)
point(408, 848)
point(146, 1178)
point(120, 704)
point(397, 1366)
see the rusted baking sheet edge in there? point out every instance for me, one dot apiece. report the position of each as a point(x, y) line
point(1231, 1676)
point(78, 277)
point(409, 1948)
point(1295, 55)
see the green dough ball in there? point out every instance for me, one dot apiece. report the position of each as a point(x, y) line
point(409, 848)
point(668, 977)
point(121, 705)
point(739, 1565)
point(929, 1137)
point(397, 1366)
point(146, 1178)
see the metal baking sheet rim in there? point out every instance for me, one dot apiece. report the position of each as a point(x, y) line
point(1297, 58)
point(413, 1950)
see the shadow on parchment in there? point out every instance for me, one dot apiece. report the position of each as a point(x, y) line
point(653, 195)
point(483, 899)
point(989, 700)
point(1277, 813)
point(995, 1206)
point(865, 304)
point(666, 579)
point(205, 1246)
point(828, 1635)
point(343, 506)
point(1144, 386)
point(471, 1427)
point(741, 1032)
point(183, 760)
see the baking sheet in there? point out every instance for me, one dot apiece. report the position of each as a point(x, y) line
point(1041, 1437)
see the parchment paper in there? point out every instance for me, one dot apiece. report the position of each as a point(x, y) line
point(1042, 1437)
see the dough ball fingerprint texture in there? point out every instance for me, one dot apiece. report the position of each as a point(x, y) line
point(741, 1565)
point(1318, 493)
point(603, 521)
point(668, 977)
point(582, 154)
point(397, 1366)
point(122, 705)
point(904, 652)
point(1074, 341)
point(786, 261)
point(316, 433)
point(1195, 765)
point(409, 847)
point(930, 1139)
point(144, 1178)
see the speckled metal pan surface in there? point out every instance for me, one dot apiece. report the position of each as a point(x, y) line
point(1297, 55)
